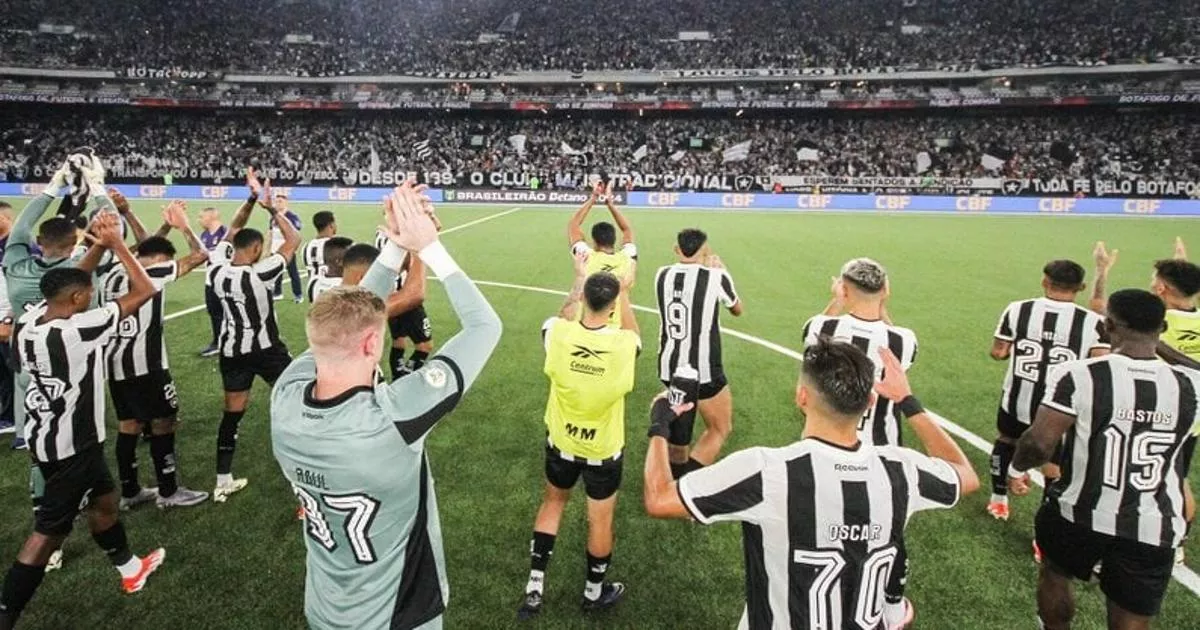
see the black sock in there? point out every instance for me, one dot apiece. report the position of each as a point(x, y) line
point(162, 451)
point(541, 549)
point(417, 360)
point(19, 586)
point(396, 362)
point(114, 544)
point(596, 568)
point(127, 468)
point(1002, 456)
point(678, 470)
point(227, 440)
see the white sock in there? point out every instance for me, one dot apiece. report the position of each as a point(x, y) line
point(591, 591)
point(1000, 498)
point(224, 479)
point(537, 582)
point(893, 614)
point(131, 568)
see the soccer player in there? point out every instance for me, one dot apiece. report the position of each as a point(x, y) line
point(314, 250)
point(1126, 418)
point(250, 343)
point(822, 518)
point(60, 346)
point(56, 238)
point(413, 323)
point(280, 213)
point(591, 369)
point(143, 391)
point(7, 425)
point(356, 262)
point(358, 259)
point(213, 233)
point(332, 250)
point(691, 294)
point(1033, 336)
point(602, 253)
point(354, 451)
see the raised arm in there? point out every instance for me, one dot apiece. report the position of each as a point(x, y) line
point(412, 294)
point(242, 216)
point(20, 239)
point(291, 236)
point(619, 218)
point(937, 443)
point(108, 233)
point(625, 301)
point(575, 226)
point(571, 306)
point(1104, 263)
point(175, 216)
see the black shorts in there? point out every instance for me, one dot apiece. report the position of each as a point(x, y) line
point(1009, 426)
point(1134, 575)
point(69, 485)
point(145, 398)
point(237, 373)
point(599, 481)
point(683, 428)
point(414, 325)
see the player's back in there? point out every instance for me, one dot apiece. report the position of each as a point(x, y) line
point(821, 524)
point(371, 520)
point(690, 297)
point(1043, 333)
point(1183, 332)
point(590, 373)
point(1122, 462)
point(618, 263)
point(881, 424)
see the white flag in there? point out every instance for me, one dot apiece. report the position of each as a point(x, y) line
point(736, 153)
point(924, 162)
point(808, 155)
point(566, 149)
point(678, 155)
point(640, 153)
point(422, 149)
point(374, 164)
point(991, 162)
point(517, 142)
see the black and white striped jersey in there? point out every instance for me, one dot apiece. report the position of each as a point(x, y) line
point(138, 348)
point(64, 403)
point(1043, 333)
point(690, 298)
point(314, 257)
point(381, 241)
point(881, 424)
point(821, 525)
point(320, 284)
point(245, 292)
point(1124, 460)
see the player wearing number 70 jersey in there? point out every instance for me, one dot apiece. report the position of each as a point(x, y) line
point(354, 451)
point(822, 518)
point(1032, 336)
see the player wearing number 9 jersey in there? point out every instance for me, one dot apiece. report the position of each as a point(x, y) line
point(691, 294)
point(822, 518)
point(354, 451)
point(1032, 336)
point(1125, 418)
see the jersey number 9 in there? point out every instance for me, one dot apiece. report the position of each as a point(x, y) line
point(677, 321)
point(359, 511)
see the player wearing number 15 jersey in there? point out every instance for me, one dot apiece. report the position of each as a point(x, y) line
point(1032, 336)
point(691, 294)
point(1126, 419)
point(822, 518)
point(354, 450)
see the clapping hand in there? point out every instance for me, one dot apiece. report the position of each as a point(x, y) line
point(894, 385)
point(409, 218)
point(1104, 259)
point(175, 215)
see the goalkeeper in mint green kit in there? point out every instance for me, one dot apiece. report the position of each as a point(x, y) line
point(354, 451)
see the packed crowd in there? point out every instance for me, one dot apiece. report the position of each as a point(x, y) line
point(434, 35)
point(142, 144)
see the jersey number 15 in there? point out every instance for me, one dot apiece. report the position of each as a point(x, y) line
point(359, 511)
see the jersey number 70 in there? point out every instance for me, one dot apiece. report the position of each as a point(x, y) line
point(360, 512)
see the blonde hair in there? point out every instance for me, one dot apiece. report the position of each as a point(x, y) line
point(340, 316)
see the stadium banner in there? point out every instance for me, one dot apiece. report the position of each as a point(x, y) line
point(145, 72)
point(783, 202)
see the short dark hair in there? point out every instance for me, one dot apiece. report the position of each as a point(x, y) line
point(335, 250)
point(1064, 275)
point(1183, 276)
point(1138, 310)
point(156, 246)
point(62, 279)
point(246, 238)
point(57, 231)
point(4, 205)
point(359, 254)
point(841, 374)
point(322, 220)
point(690, 241)
point(604, 234)
point(600, 290)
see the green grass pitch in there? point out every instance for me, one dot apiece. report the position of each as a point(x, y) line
point(241, 564)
